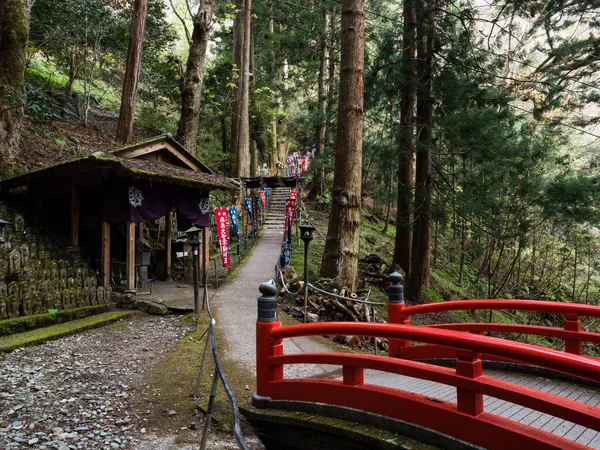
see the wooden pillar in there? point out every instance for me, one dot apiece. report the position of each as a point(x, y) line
point(105, 254)
point(168, 250)
point(130, 259)
point(204, 253)
point(75, 216)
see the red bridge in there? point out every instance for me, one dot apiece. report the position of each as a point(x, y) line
point(524, 405)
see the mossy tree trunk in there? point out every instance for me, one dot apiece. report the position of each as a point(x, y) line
point(421, 243)
point(191, 92)
point(14, 34)
point(319, 177)
point(404, 217)
point(343, 236)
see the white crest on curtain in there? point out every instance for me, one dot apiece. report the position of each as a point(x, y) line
point(136, 198)
point(204, 206)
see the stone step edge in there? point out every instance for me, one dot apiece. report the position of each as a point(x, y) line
point(22, 324)
point(41, 335)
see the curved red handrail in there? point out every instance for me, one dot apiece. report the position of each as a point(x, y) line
point(567, 363)
point(501, 304)
point(560, 333)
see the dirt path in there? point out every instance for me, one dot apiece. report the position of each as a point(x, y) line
point(235, 304)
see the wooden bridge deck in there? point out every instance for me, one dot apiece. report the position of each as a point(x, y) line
point(584, 394)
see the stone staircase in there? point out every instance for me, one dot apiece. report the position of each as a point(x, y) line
point(275, 221)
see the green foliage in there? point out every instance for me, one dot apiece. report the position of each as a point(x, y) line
point(40, 104)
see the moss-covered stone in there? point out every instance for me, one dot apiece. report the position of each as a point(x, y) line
point(26, 323)
point(41, 335)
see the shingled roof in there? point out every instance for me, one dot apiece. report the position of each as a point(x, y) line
point(132, 167)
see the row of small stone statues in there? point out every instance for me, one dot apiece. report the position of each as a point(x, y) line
point(22, 259)
point(26, 298)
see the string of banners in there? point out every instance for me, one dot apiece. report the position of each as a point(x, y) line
point(298, 163)
point(254, 209)
point(290, 213)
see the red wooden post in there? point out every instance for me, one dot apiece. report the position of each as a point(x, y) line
point(468, 365)
point(573, 323)
point(266, 346)
point(353, 376)
point(395, 313)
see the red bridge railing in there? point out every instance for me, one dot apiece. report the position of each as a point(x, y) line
point(572, 332)
point(466, 419)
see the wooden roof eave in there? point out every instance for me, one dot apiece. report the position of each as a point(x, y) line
point(100, 160)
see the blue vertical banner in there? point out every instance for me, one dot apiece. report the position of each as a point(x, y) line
point(234, 219)
point(233, 213)
point(249, 212)
point(286, 249)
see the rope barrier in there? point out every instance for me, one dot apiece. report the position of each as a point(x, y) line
point(218, 375)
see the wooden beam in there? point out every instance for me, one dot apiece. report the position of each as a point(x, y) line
point(105, 273)
point(75, 216)
point(168, 247)
point(136, 152)
point(130, 259)
point(204, 254)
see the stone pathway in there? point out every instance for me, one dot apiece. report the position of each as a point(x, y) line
point(235, 305)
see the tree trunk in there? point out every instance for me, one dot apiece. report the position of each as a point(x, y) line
point(273, 153)
point(421, 245)
point(319, 177)
point(191, 92)
point(238, 62)
point(402, 247)
point(243, 163)
point(14, 34)
point(388, 211)
point(132, 72)
point(343, 236)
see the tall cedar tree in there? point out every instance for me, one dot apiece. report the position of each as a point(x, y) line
point(14, 33)
point(243, 160)
point(321, 129)
point(191, 91)
point(343, 236)
point(132, 72)
point(402, 249)
point(240, 121)
point(421, 245)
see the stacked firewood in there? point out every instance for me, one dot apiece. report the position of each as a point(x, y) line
point(325, 308)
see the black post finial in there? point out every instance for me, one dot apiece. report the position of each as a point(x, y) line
point(267, 302)
point(396, 290)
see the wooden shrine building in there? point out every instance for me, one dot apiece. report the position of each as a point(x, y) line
point(103, 196)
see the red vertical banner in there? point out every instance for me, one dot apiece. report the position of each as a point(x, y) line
point(263, 199)
point(294, 193)
point(222, 221)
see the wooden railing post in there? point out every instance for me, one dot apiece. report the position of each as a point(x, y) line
point(573, 323)
point(267, 347)
point(394, 309)
point(353, 376)
point(468, 365)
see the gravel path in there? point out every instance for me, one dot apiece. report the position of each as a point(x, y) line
point(77, 392)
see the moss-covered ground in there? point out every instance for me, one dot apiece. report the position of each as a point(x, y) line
point(41, 335)
point(172, 383)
